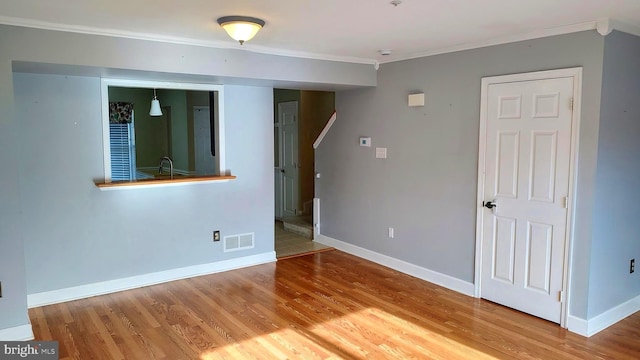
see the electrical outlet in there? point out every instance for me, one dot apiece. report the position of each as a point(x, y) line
point(391, 232)
point(632, 266)
point(216, 235)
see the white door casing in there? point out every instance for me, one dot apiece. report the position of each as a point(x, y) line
point(288, 121)
point(278, 169)
point(528, 143)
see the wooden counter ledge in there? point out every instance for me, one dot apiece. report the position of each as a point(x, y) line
point(162, 182)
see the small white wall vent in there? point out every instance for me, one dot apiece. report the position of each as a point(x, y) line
point(238, 242)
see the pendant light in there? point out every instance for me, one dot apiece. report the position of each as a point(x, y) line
point(241, 28)
point(155, 106)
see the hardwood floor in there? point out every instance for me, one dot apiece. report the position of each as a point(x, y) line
point(320, 306)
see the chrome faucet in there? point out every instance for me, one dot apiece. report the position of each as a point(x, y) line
point(166, 158)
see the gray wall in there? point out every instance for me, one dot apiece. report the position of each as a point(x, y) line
point(177, 101)
point(616, 227)
point(112, 54)
point(75, 234)
point(52, 207)
point(13, 303)
point(427, 187)
point(195, 98)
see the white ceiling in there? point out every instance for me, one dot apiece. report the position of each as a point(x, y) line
point(351, 30)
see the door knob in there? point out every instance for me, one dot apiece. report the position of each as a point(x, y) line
point(489, 204)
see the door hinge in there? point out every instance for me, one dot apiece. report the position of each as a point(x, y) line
point(571, 103)
point(566, 202)
point(561, 296)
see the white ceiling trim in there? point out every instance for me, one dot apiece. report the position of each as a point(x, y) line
point(590, 25)
point(7, 20)
point(624, 27)
point(603, 25)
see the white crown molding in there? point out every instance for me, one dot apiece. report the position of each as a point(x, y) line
point(624, 27)
point(306, 55)
point(604, 26)
point(44, 25)
point(590, 25)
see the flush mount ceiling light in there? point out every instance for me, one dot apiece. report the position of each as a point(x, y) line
point(155, 106)
point(241, 28)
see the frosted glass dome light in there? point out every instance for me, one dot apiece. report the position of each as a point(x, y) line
point(241, 28)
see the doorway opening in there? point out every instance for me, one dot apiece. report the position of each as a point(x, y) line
point(299, 117)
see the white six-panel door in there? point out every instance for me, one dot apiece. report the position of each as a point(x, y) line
point(288, 119)
point(527, 179)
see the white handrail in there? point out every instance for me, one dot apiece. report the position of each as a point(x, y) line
point(324, 132)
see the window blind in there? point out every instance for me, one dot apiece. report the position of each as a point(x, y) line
point(123, 155)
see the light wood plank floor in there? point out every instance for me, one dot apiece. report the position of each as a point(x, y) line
point(328, 305)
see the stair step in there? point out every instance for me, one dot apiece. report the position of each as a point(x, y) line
point(299, 225)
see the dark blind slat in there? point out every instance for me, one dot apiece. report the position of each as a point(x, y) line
point(120, 152)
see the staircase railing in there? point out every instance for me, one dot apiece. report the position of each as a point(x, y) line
point(324, 132)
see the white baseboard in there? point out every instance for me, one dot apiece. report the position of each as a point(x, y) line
point(431, 276)
point(17, 333)
point(578, 325)
point(598, 323)
point(110, 286)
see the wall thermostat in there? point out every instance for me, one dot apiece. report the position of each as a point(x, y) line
point(365, 141)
